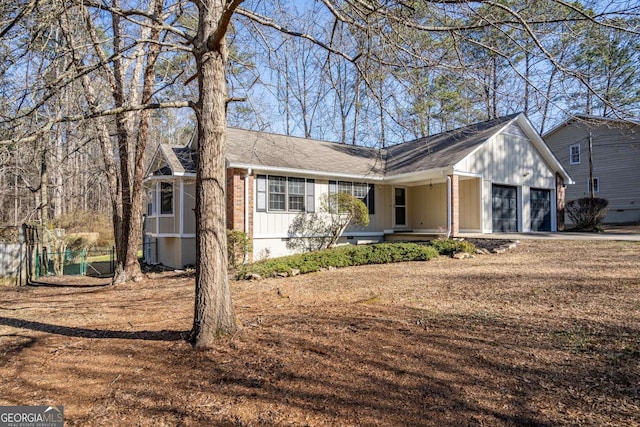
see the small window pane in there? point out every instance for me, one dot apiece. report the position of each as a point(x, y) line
point(344, 187)
point(360, 190)
point(166, 198)
point(276, 202)
point(296, 186)
point(277, 184)
point(399, 196)
point(401, 215)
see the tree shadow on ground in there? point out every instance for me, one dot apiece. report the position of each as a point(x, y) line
point(163, 335)
point(38, 284)
point(370, 366)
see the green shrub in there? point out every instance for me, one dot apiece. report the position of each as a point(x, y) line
point(238, 245)
point(342, 256)
point(451, 246)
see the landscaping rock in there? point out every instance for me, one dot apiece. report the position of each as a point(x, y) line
point(294, 272)
point(254, 276)
point(461, 255)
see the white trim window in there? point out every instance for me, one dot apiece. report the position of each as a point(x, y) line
point(574, 154)
point(295, 194)
point(360, 190)
point(596, 185)
point(277, 193)
point(284, 194)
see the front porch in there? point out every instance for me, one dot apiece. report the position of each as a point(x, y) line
point(438, 207)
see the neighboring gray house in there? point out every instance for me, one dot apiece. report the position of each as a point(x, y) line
point(615, 156)
point(494, 176)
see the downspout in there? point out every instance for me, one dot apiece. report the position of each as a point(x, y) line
point(246, 210)
point(448, 207)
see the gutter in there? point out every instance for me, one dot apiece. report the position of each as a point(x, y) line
point(448, 207)
point(246, 210)
point(292, 171)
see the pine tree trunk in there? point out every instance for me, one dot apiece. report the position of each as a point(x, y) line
point(213, 314)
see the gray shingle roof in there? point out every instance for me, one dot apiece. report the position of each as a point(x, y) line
point(258, 149)
point(279, 151)
point(187, 158)
point(442, 150)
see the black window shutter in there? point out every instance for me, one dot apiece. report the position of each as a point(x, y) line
point(261, 193)
point(371, 199)
point(311, 196)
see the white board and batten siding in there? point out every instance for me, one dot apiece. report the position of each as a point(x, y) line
point(271, 228)
point(510, 158)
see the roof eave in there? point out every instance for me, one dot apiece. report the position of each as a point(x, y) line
point(307, 172)
point(420, 175)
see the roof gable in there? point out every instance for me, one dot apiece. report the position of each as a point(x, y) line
point(169, 161)
point(442, 150)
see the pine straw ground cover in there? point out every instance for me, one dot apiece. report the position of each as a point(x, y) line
point(546, 334)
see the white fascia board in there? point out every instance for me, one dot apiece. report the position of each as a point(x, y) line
point(345, 234)
point(259, 169)
point(419, 176)
point(465, 173)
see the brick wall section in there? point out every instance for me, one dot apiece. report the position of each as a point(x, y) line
point(455, 205)
point(560, 202)
point(235, 201)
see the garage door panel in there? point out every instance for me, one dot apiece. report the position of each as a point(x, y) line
point(504, 208)
point(540, 210)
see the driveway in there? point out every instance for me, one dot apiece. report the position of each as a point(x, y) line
point(611, 232)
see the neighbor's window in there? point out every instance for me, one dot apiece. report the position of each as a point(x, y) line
point(166, 198)
point(596, 185)
point(574, 154)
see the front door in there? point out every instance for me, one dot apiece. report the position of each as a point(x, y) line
point(504, 204)
point(400, 206)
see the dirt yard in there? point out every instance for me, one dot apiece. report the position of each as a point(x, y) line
point(546, 334)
